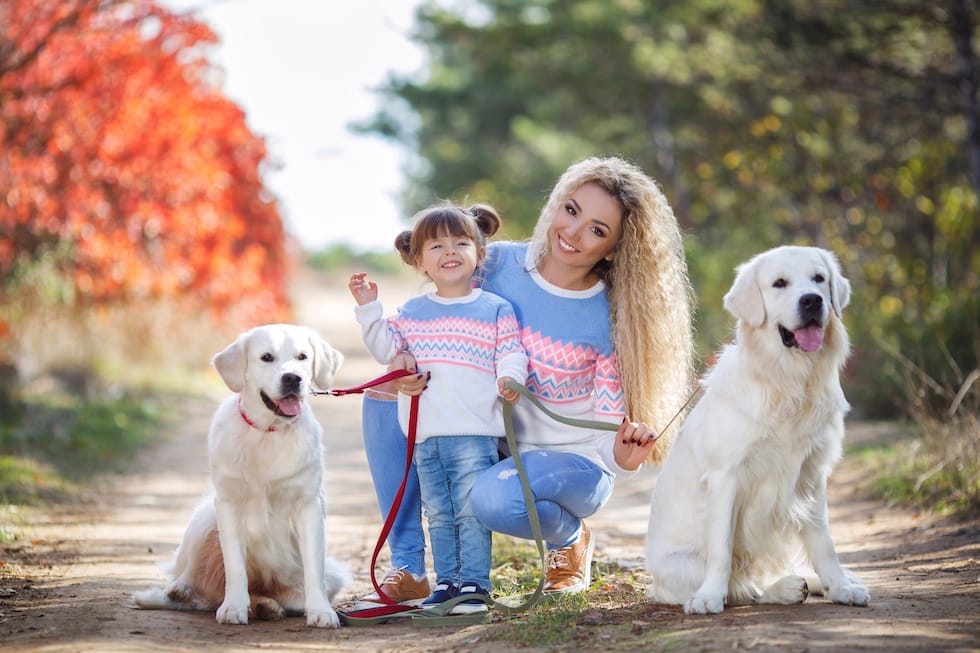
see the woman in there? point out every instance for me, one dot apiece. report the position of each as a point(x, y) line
point(602, 294)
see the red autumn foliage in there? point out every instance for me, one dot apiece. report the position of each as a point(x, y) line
point(119, 151)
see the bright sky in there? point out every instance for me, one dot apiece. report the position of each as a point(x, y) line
point(303, 70)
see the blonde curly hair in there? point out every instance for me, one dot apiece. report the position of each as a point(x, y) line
point(649, 291)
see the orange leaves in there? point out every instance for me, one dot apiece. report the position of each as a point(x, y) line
point(115, 141)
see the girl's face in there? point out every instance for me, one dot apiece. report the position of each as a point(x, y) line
point(586, 228)
point(450, 262)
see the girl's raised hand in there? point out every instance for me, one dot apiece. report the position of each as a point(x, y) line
point(364, 291)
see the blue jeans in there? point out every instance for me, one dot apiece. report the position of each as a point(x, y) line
point(566, 488)
point(448, 466)
point(386, 447)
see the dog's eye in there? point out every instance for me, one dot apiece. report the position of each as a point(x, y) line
point(302, 357)
point(818, 278)
point(268, 358)
point(780, 283)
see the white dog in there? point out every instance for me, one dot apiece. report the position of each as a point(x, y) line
point(257, 547)
point(739, 512)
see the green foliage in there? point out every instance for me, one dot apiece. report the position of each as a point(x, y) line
point(337, 257)
point(42, 276)
point(819, 123)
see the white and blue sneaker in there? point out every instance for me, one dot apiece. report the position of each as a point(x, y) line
point(443, 592)
point(473, 605)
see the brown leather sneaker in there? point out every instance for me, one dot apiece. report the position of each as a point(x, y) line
point(400, 586)
point(570, 567)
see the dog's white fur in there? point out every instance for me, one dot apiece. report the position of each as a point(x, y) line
point(739, 512)
point(256, 547)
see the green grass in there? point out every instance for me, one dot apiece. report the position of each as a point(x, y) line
point(55, 440)
point(51, 444)
point(937, 468)
point(911, 474)
point(556, 620)
point(516, 565)
point(24, 482)
point(13, 519)
point(549, 624)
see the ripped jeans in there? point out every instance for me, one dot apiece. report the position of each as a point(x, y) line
point(566, 487)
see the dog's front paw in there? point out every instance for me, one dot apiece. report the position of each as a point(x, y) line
point(850, 594)
point(322, 618)
point(179, 592)
point(705, 604)
point(786, 591)
point(232, 613)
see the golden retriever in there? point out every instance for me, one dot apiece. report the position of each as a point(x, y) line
point(739, 511)
point(256, 548)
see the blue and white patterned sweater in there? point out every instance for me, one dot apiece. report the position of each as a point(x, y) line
point(567, 336)
point(467, 343)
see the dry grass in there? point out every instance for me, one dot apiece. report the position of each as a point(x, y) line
point(939, 467)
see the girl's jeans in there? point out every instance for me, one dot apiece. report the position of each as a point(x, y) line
point(566, 488)
point(386, 448)
point(448, 466)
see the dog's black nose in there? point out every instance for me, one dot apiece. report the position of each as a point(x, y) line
point(290, 383)
point(811, 307)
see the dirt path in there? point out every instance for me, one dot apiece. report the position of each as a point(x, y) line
point(83, 562)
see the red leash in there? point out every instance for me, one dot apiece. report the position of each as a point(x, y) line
point(358, 389)
point(391, 606)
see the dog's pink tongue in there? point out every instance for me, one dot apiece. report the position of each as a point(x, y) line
point(809, 338)
point(290, 406)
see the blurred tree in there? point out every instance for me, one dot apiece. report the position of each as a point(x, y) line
point(851, 126)
point(124, 171)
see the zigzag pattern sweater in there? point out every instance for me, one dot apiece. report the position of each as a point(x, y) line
point(467, 343)
point(567, 336)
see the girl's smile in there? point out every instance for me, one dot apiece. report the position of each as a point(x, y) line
point(450, 262)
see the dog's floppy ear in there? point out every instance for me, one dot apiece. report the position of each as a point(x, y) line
point(744, 300)
point(230, 363)
point(326, 361)
point(840, 287)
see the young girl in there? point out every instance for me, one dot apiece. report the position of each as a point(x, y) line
point(468, 342)
point(602, 295)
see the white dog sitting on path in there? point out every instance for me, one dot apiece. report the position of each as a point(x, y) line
point(256, 548)
point(739, 512)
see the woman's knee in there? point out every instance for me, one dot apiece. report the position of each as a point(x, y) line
point(490, 498)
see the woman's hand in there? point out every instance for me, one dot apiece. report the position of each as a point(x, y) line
point(510, 396)
point(410, 385)
point(634, 440)
point(413, 385)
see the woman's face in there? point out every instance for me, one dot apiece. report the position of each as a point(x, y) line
point(587, 227)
